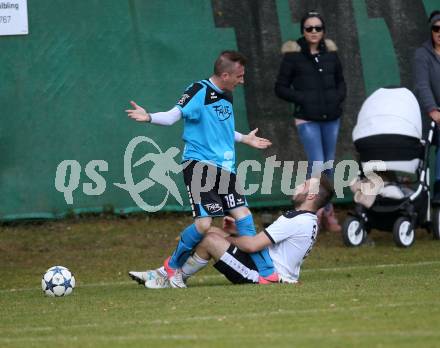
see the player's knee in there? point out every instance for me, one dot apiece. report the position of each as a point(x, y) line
point(217, 230)
point(210, 240)
point(203, 225)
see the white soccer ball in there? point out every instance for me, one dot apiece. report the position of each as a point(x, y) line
point(58, 281)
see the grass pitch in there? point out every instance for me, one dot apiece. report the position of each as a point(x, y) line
point(374, 296)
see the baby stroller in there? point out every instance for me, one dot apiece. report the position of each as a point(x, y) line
point(389, 129)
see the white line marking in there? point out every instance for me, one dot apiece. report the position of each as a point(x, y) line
point(221, 338)
point(219, 318)
point(231, 336)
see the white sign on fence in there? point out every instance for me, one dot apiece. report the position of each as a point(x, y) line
point(13, 17)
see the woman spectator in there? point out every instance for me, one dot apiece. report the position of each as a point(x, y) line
point(427, 84)
point(310, 76)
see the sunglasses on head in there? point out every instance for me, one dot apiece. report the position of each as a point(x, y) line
point(318, 29)
point(435, 28)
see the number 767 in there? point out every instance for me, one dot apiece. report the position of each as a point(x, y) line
point(5, 19)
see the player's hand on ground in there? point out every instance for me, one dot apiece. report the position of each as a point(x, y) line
point(229, 225)
point(253, 140)
point(138, 113)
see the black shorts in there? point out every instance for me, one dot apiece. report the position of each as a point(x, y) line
point(220, 187)
point(237, 266)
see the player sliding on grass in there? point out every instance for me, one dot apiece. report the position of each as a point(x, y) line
point(290, 239)
point(209, 160)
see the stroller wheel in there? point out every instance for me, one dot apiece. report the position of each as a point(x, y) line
point(436, 223)
point(403, 232)
point(353, 233)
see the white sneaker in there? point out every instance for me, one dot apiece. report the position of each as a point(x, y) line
point(176, 281)
point(174, 275)
point(139, 277)
point(156, 280)
point(287, 280)
point(152, 279)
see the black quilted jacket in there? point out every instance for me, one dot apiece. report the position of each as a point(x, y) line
point(314, 83)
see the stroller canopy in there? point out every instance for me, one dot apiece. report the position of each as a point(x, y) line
point(389, 129)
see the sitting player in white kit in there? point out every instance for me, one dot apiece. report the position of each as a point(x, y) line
point(289, 240)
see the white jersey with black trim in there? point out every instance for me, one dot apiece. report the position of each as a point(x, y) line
point(293, 235)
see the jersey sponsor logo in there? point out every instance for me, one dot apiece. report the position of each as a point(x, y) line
point(223, 112)
point(183, 99)
point(213, 207)
point(189, 93)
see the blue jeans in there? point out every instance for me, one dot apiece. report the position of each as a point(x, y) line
point(319, 141)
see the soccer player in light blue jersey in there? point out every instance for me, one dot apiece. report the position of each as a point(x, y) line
point(208, 157)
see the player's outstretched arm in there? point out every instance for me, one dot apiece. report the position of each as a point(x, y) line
point(167, 118)
point(255, 141)
point(251, 244)
point(138, 113)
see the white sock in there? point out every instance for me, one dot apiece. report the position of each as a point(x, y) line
point(194, 264)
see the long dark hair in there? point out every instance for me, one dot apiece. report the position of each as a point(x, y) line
point(431, 22)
